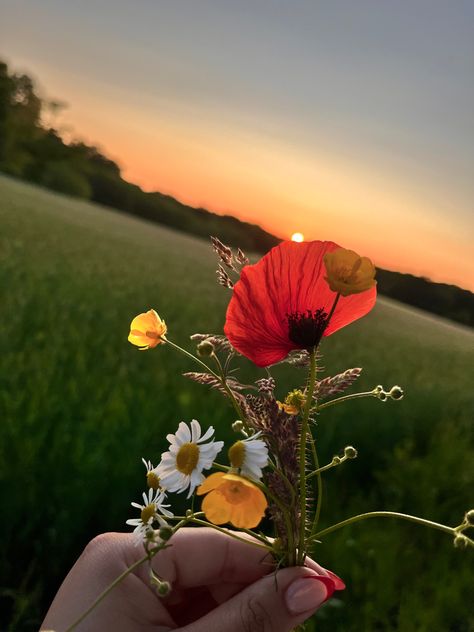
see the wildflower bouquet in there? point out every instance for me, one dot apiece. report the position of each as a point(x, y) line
point(280, 309)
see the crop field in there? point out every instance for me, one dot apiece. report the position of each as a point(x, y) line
point(79, 407)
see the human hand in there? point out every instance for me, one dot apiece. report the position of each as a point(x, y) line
point(219, 584)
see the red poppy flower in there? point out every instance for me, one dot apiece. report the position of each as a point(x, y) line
point(283, 302)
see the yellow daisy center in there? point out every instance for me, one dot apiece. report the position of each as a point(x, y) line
point(187, 458)
point(237, 454)
point(148, 512)
point(153, 480)
point(235, 492)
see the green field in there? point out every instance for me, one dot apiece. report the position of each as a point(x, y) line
point(79, 407)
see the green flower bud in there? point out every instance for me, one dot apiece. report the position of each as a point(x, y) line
point(396, 392)
point(238, 426)
point(163, 589)
point(205, 349)
point(165, 533)
point(350, 452)
point(461, 542)
point(469, 517)
point(189, 513)
point(336, 460)
point(150, 534)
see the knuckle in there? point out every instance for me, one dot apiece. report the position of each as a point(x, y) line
point(255, 617)
point(101, 546)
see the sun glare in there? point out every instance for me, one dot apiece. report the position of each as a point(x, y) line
point(297, 237)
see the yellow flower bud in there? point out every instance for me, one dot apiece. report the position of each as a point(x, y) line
point(347, 273)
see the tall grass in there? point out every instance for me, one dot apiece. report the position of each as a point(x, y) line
point(79, 407)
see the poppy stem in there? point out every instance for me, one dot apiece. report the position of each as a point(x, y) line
point(332, 309)
point(303, 442)
point(316, 473)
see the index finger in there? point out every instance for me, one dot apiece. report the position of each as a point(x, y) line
point(204, 556)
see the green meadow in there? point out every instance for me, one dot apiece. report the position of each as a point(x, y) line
point(79, 407)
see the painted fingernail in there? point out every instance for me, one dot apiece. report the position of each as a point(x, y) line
point(308, 593)
point(338, 582)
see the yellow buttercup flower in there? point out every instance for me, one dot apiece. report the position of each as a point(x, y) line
point(147, 330)
point(347, 273)
point(288, 408)
point(232, 498)
point(294, 402)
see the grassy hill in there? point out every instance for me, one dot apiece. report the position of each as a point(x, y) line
point(79, 407)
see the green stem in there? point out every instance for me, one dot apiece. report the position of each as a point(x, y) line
point(185, 518)
point(326, 467)
point(287, 518)
point(262, 538)
point(104, 594)
point(319, 499)
point(222, 468)
point(221, 378)
point(284, 478)
point(317, 473)
point(190, 355)
point(338, 296)
point(303, 439)
point(122, 576)
point(289, 529)
point(344, 398)
point(386, 514)
point(232, 534)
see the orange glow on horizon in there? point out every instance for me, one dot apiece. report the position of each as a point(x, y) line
point(275, 185)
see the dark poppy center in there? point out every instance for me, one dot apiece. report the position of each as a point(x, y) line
point(306, 328)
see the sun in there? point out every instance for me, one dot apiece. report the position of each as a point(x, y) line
point(297, 237)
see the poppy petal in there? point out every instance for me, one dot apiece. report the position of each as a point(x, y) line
point(289, 279)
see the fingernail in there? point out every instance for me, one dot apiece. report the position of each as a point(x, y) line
point(338, 582)
point(308, 593)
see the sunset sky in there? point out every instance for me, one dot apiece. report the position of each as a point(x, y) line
point(349, 121)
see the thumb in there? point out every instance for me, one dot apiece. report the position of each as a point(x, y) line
point(275, 603)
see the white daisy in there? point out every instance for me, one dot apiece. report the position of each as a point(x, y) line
point(152, 478)
point(249, 456)
point(152, 510)
point(181, 467)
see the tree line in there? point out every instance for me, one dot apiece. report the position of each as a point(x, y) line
point(35, 151)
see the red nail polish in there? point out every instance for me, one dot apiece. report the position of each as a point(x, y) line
point(338, 583)
point(329, 583)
